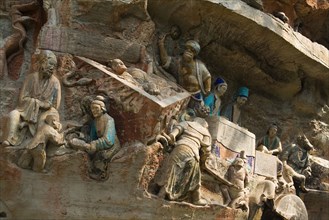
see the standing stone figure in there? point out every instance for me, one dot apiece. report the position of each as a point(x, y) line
point(189, 72)
point(36, 150)
point(104, 143)
point(213, 100)
point(181, 177)
point(296, 162)
point(233, 110)
point(235, 196)
point(39, 97)
point(270, 143)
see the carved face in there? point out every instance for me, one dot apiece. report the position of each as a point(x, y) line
point(304, 143)
point(118, 66)
point(47, 67)
point(272, 131)
point(188, 54)
point(241, 100)
point(96, 110)
point(221, 89)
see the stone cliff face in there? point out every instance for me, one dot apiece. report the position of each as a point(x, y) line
point(286, 67)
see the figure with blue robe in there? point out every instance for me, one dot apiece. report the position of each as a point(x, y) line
point(233, 110)
point(213, 100)
point(104, 143)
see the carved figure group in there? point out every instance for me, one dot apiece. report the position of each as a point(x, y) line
point(188, 136)
point(39, 97)
point(35, 151)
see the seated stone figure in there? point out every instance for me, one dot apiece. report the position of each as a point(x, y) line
point(235, 196)
point(135, 76)
point(103, 143)
point(36, 150)
point(39, 96)
point(232, 111)
point(296, 162)
point(270, 143)
point(181, 176)
point(213, 100)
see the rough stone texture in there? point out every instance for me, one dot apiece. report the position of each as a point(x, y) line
point(66, 192)
point(311, 14)
point(314, 202)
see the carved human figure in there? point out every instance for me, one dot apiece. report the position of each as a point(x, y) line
point(36, 150)
point(189, 72)
point(213, 100)
point(270, 143)
point(40, 96)
point(233, 110)
point(135, 76)
point(296, 162)
point(181, 176)
point(103, 143)
point(235, 196)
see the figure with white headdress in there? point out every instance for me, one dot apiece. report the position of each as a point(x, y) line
point(190, 73)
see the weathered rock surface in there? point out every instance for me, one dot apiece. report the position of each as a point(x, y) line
point(67, 192)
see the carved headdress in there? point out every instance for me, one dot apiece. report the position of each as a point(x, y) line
point(194, 45)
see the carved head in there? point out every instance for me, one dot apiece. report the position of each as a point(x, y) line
point(220, 86)
point(53, 121)
point(97, 107)
point(175, 32)
point(192, 49)
point(303, 142)
point(118, 66)
point(48, 63)
point(272, 130)
point(238, 162)
point(242, 97)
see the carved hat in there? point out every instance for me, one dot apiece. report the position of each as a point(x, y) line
point(194, 45)
point(219, 81)
point(243, 91)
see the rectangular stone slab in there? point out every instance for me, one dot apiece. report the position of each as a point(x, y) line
point(147, 115)
point(266, 164)
point(232, 135)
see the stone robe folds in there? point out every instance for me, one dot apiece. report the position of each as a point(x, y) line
point(181, 171)
point(35, 91)
point(103, 137)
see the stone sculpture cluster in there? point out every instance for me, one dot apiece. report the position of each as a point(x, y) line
point(36, 117)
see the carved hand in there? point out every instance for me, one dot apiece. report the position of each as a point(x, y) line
point(44, 105)
point(172, 139)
